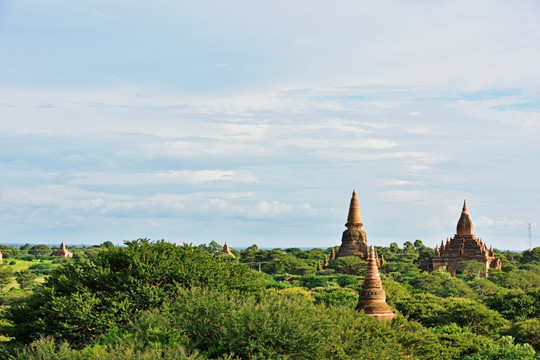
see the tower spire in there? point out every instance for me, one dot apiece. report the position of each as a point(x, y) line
point(354, 220)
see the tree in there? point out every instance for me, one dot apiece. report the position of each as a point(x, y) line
point(527, 331)
point(408, 247)
point(531, 256)
point(483, 288)
point(516, 305)
point(6, 276)
point(471, 268)
point(418, 244)
point(107, 244)
point(351, 265)
point(41, 249)
point(394, 247)
point(9, 251)
point(25, 278)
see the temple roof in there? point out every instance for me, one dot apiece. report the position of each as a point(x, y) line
point(354, 220)
point(464, 225)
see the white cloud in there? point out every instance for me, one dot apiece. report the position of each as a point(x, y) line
point(169, 177)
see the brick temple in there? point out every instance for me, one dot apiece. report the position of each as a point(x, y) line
point(354, 240)
point(63, 252)
point(464, 246)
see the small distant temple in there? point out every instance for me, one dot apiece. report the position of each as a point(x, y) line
point(1, 256)
point(354, 240)
point(372, 298)
point(227, 251)
point(464, 246)
point(63, 252)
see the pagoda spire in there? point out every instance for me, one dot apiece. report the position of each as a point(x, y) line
point(464, 225)
point(333, 255)
point(372, 298)
point(325, 264)
point(226, 250)
point(354, 220)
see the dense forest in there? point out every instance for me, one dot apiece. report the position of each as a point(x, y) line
point(155, 300)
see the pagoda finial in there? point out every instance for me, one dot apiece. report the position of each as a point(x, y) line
point(325, 264)
point(319, 267)
point(333, 255)
point(354, 220)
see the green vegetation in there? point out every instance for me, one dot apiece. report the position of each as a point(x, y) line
point(155, 300)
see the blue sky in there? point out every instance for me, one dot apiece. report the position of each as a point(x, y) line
point(253, 121)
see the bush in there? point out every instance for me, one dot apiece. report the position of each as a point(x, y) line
point(346, 280)
point(312, 281)
point(336, 297)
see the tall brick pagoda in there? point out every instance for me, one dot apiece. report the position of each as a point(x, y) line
point(372, 298)
point(464, 246)
point(354, 240)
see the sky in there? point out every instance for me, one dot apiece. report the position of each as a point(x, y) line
point(251, 122)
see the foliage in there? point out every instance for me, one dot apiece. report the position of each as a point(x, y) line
point(41, 268)
point(332, 296)
point(41, 249)
point(346, 280)
point(442, 285)
point(47, 348)
point(158, 301)
point(25, 278)
point(9, 252)
point(483, 288)
point(6, 276)
point(527, 331)
point(431, 310)
point(82, 300)
point(471, 268)
point(312, 281)
point(504, 349)
point(516, 305)
point(531, 256)
point(350, 265)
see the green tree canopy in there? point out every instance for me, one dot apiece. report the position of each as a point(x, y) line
point(82, 299)
point(41, 249)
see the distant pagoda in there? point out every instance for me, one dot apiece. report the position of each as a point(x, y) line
point(372, 298)
point(354, 240)
point(226, 250)
point(62, 252)
point(464, 246)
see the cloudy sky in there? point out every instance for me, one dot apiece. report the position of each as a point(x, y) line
point(253, 121)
